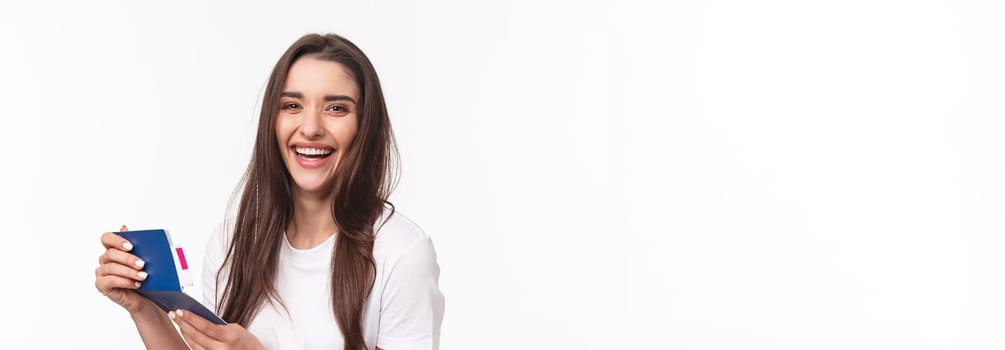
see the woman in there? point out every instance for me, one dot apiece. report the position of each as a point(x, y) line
point(316, 257)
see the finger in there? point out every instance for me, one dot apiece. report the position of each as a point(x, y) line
point(123, 228)
point(185, 329)
point(121, 257)
point(116, 269)
point(112, 240)
point(195, 337)
point(186, 334)
point(188, 338)
point(215, 331)
point(106, 284)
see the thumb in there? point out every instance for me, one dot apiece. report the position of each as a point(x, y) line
point(124, 228)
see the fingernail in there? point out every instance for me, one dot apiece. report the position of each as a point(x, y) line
point(143, 275)
point(137, 284)
point(179, 313)
point(139, 263)
point(171, 314)
point(127, 246)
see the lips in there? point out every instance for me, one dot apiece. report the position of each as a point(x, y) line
point(312, 155)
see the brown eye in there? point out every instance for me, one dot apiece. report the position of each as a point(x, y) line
point(289, 106)
point(335, 108)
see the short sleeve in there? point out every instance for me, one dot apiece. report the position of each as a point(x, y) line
point(411, 306)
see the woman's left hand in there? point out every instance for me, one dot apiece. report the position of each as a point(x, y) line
point(200, 334)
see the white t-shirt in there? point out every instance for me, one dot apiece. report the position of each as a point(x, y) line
point(403, 312)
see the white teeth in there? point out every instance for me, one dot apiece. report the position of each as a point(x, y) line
point(312, 151)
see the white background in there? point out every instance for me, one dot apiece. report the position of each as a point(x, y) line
point(595, 175)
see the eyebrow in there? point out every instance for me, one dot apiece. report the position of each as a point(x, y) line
point(327, 98)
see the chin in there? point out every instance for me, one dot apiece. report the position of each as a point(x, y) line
point(313, 185)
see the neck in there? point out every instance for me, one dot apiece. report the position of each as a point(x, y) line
point(312, 222)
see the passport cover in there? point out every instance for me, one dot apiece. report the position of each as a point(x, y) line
point(163, 285)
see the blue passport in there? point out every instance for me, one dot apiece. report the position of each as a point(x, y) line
point(166, 268)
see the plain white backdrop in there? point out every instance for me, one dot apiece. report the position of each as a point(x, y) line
point(595, 175)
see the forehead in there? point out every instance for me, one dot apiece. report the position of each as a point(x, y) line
point(314, 77)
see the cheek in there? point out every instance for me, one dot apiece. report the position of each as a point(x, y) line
point(344, 131)
point(283, 128)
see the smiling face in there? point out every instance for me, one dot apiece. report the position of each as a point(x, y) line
point(317, 122)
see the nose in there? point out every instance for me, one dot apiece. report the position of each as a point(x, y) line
point(310, 125)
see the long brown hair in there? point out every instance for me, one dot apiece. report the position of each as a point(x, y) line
point(364, 179)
